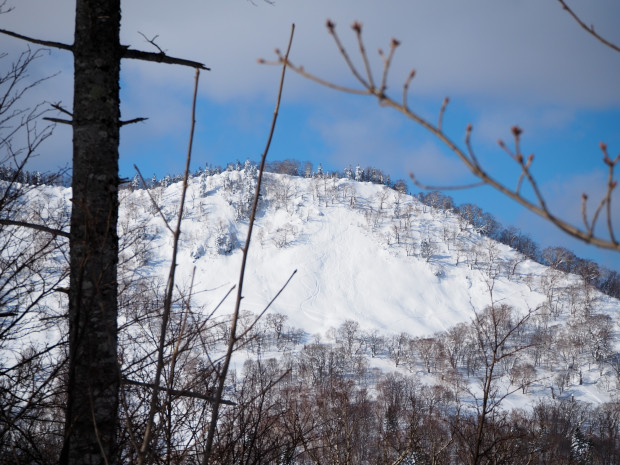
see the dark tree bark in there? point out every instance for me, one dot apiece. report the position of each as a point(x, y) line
point(94, 375)
point(94, 378)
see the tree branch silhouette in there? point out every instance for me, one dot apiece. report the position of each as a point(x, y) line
point(465, 153)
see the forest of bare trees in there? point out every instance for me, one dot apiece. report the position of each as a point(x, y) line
point(302, 398)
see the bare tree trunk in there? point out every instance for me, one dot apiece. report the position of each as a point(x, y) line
point(93, 384)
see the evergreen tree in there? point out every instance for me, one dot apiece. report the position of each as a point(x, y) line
point(319, 171)
point(581, 447)
point(348, 172)
point(203, 185)
point(249, 177)
point(224, 242)
point(359, 173)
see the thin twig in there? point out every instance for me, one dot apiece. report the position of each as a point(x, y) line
point(611, 185)
point(470, 150)
point(442, 111)
point(233, 326)
point(386, 64)
point(260, 315)
point(468, 157)
point(331, 27)
point(589, 29)
point(36, 227)
point(427, 187)
point(132, 121)
point(357, 27)
point(177, 392)
point(157, 207)
point(152, 42)
point(169, 287)
point(584, 215)
point(57, 106)
point(406, 88)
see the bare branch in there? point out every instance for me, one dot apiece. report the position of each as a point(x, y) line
point(233, 338)
point(132, 121)
point(57, 106)
point(177, 392)
point(589, 29)
point(161, 58)
point(45, 43)
point(170, 289)
point(260, 315)
point(302, 72)
point(427, 187)
point(58, 120)
point(153, 202)
point(152, 42)
point(467, 155)
point(37, 227)
point(127, 52)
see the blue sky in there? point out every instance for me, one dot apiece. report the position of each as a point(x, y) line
point(501, 63)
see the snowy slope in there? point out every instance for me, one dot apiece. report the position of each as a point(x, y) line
point(362, 252)
point(346, 267)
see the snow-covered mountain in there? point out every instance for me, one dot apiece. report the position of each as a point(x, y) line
point(357, 248)
point(363, 253)
point(404, 335)
point(372, 255)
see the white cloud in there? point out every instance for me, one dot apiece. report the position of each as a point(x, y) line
point(518, 55)
point(511, 50)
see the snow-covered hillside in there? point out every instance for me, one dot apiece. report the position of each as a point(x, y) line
point(402, 323)
point(372, 255)
point(357, 251)
point(363, 252)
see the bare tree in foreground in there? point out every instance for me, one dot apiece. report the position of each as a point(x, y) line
point(94, 377)
point(31, 268)
point(374, 84)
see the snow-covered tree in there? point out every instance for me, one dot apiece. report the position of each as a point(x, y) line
point(581, 447)
point(359, 173)
point(224, 242)
point(348, 172)
point(319, 171)
point(204, 190)
point(249, 176)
